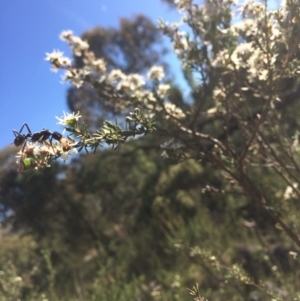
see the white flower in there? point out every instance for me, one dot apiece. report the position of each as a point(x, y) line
point(18, 279)
point(263, 75)
point(135, 80)
point(247, 27)
point(241, 54)
point(212, 111)
point(76, 77)
point(79, 46)
point(132, 82)
point(58, 60)
point(289, 192)
point(66, 35)
point(78, 42)
point(174, 111)
point(162, 90)
point(156, 72)
point(116, 75)
point(145, 97)
point(65, 155)
point(100, 65)
point(293, 254)
point(149, 96)
point(182, 4)
point(68, 119)
point(54, 55)
point(219, 94)
point(221, 59)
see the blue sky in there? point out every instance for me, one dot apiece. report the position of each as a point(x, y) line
point(29, 91)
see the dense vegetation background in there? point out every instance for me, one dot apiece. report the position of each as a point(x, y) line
point(199, 221)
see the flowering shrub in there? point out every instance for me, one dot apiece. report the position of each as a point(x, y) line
point(245, 60)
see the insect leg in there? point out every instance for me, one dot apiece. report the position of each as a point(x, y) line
point(26, 125)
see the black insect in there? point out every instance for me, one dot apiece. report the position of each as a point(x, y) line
point(41, 136)
point(21, 138)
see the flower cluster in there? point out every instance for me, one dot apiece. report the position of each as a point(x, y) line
point(78, 45)
point(39, 152)
point(236, 55)
point(124, 91)
point(58, 60)
point(68, 119)
point(37, 155)
point(156, 72)
point(174, 111)
point(131, 89)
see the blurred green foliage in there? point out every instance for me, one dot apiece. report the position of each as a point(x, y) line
point(128, 225)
